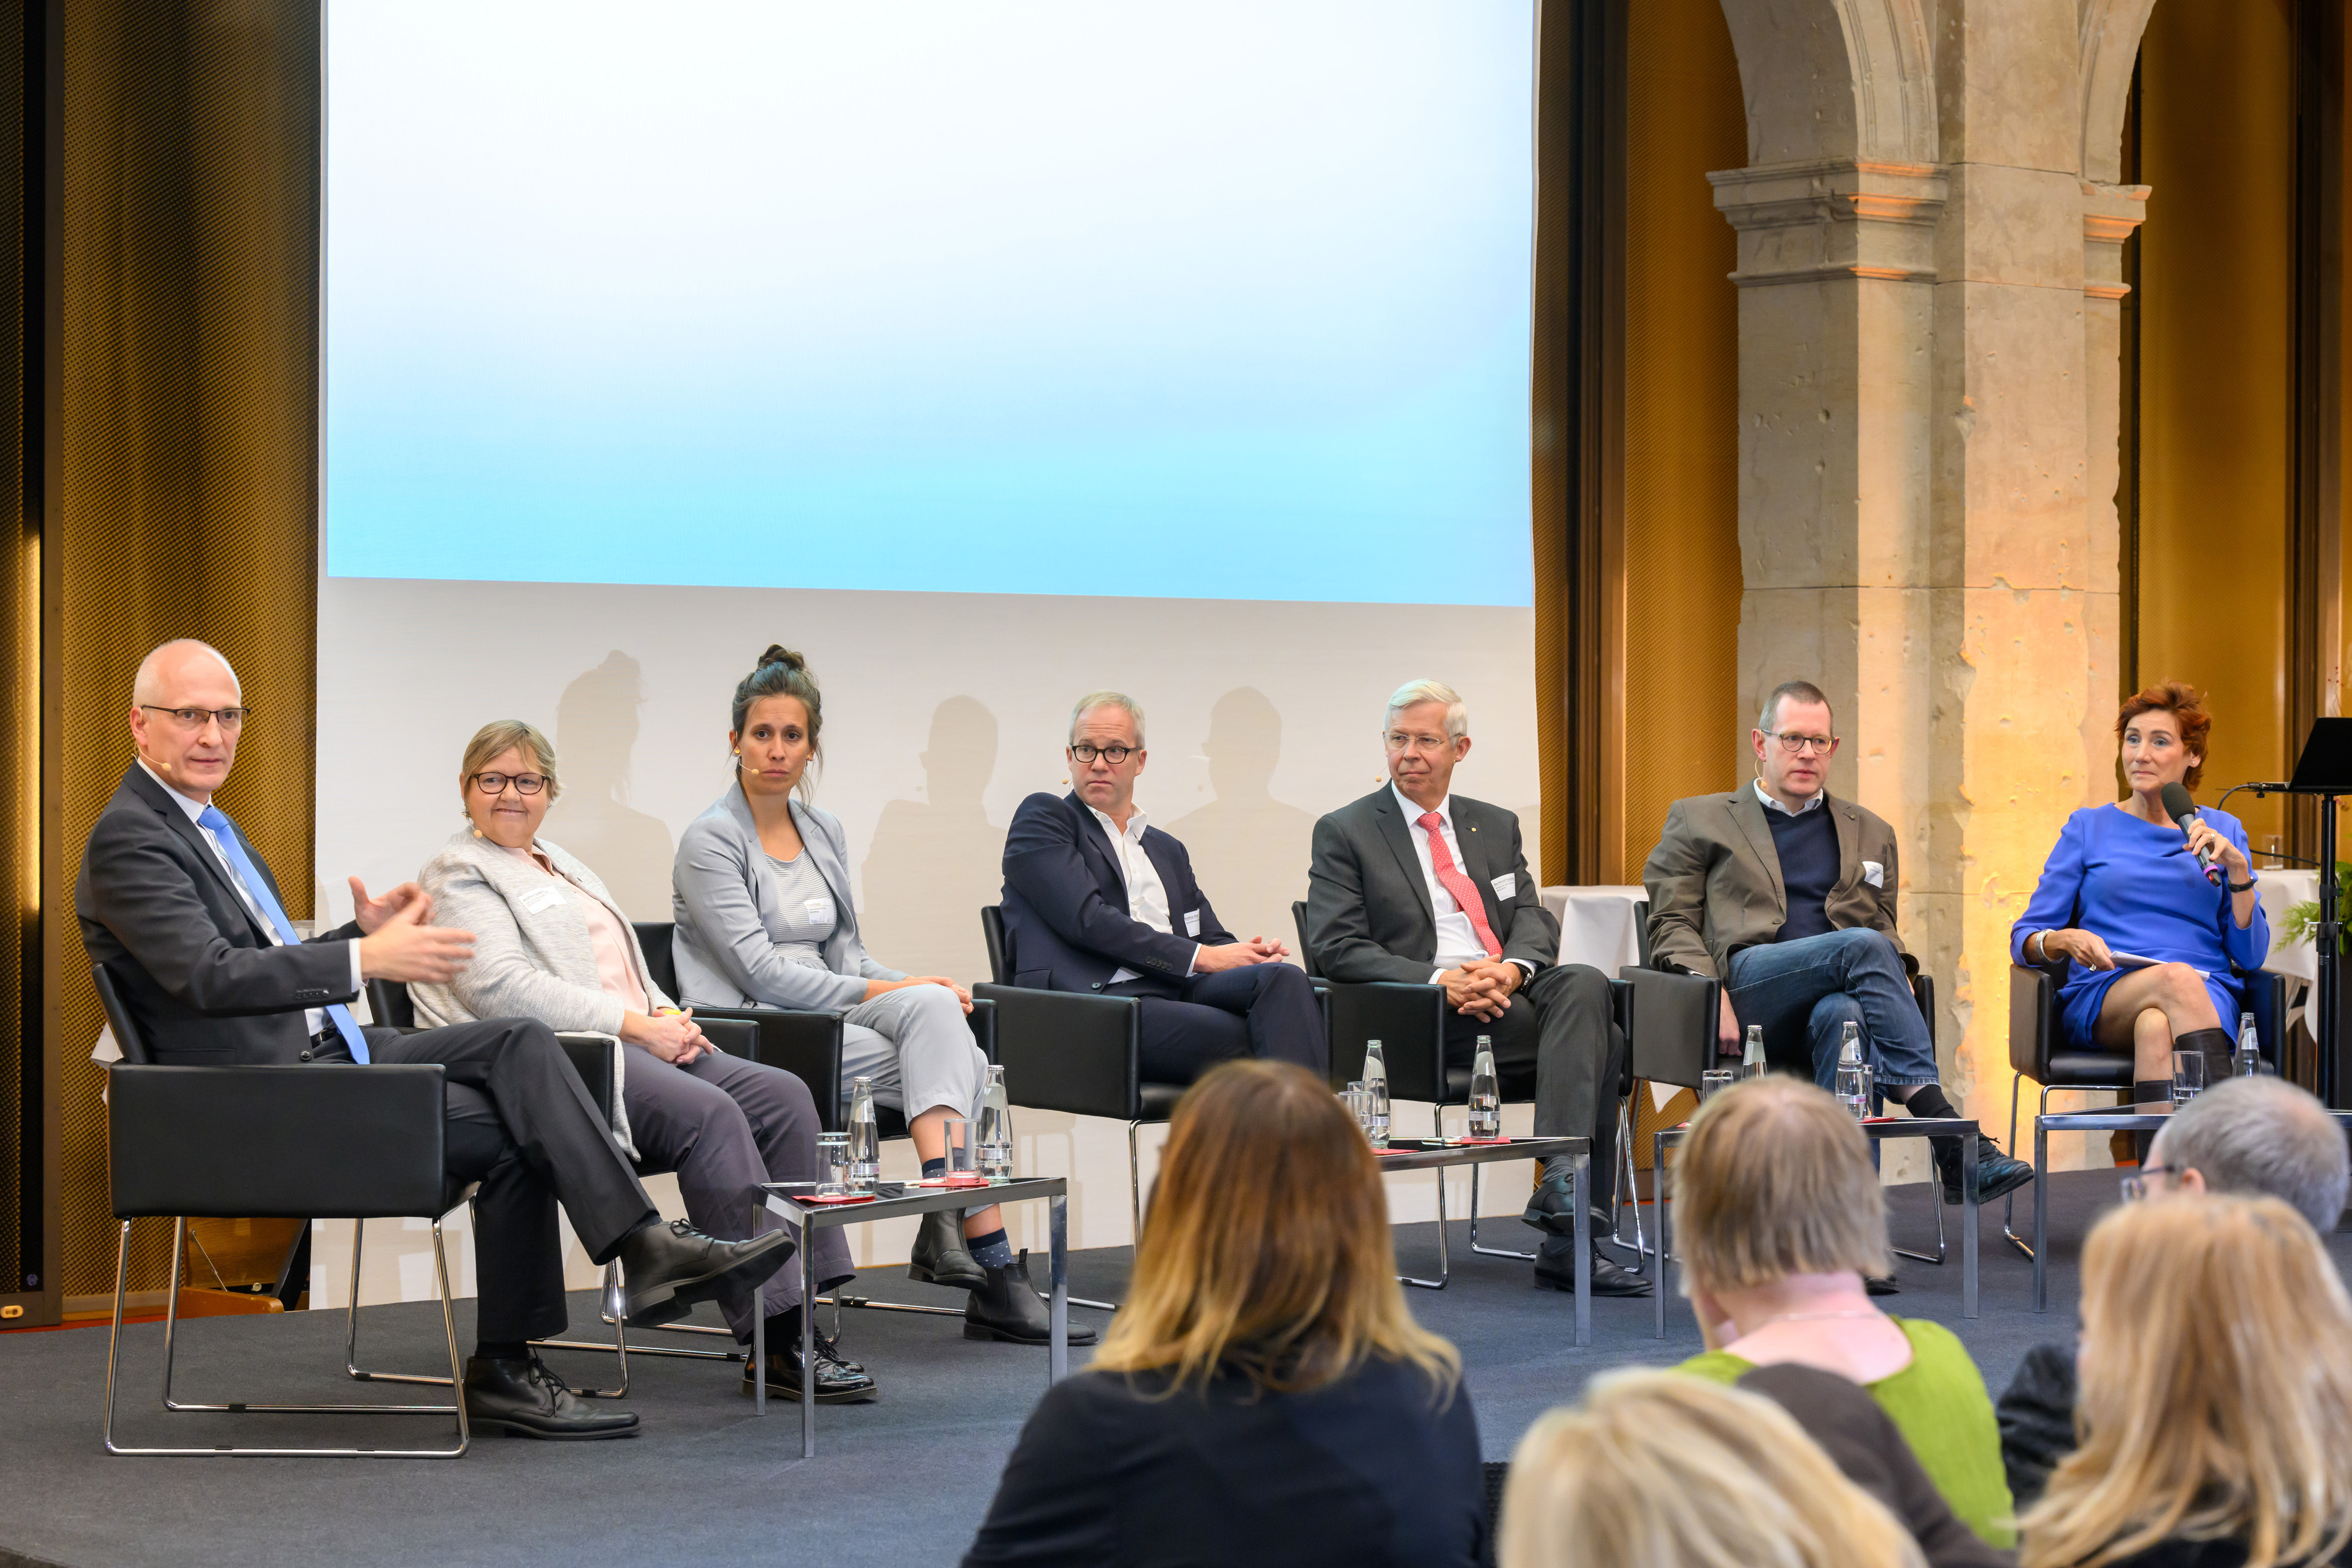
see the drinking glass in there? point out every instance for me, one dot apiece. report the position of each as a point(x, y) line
point(962, 1169)
point(1359, 1106)
point(832, 1164)
point(1715, 1080)
point(2188, 1075)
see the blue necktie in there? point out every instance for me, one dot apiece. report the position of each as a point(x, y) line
point(216, 821)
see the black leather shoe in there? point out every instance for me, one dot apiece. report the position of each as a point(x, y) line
point(1552, 1210)
point(523, 1399)
point(1007, 1306)
point(837, 1381)
point(1997, 1174)
point(1881, 1285)
point(940, 1258)
point(671, 1266)
point(1556, 1271)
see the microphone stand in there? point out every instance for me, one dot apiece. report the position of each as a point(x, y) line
point(2327, 990)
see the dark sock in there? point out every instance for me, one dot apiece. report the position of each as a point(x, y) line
point(934, 1169)
point(784, 1330)
point(502, 1350)
point(1928, 1099)
point(991, 1250)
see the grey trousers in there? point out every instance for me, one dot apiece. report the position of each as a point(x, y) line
point(725, 1125)
point(1558, 1037)
point(915, 1045)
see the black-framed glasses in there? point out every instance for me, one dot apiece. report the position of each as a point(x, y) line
point(1796, 745)
point(524, 783)
point(230, 719)
point(2135, 1186)
point(1113, 754)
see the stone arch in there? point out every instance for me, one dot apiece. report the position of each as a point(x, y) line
point(2111, 32)
point(1836, 79)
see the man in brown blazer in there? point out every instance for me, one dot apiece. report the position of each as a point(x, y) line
point(1786, 895)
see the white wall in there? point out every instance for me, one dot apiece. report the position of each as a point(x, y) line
point(943, 711)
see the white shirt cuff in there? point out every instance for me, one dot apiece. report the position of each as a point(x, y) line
point(1523, 964)
point(1438, 977)
point(356, 981)
point(1193, 967)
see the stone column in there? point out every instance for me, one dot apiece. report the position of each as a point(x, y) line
point(1928, 383)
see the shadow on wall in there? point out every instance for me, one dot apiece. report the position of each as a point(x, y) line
point(935, 862)
point(1249, 850)
point(595, 733)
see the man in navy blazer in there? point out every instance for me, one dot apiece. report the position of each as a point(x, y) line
point(1097, 900)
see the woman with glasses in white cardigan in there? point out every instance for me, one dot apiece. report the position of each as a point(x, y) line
point(550, 944)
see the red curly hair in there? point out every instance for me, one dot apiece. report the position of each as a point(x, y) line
point(2179, 699)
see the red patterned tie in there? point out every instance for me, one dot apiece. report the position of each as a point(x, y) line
point(1450, 878)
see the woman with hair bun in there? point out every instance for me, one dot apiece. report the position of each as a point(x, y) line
point(764, 920)
point(2128, 878)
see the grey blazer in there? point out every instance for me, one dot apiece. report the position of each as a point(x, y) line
point(531, 954)
point(730, 921)
point(1368, 912)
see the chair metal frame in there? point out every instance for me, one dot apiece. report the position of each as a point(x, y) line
point(134, 1050)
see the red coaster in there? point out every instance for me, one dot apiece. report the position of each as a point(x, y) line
point(1482, 1143)
point(814, 1201)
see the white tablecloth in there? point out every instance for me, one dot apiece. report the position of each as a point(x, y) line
point(1597, 925)
point(2281, 888)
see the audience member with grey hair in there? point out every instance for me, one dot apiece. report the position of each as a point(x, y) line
point(2244, 1135)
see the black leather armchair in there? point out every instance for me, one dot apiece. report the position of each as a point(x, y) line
point(2036, 1052)
point(305, 1143)
point(1081, 1055)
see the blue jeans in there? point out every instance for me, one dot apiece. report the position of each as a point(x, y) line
point(1819, 984)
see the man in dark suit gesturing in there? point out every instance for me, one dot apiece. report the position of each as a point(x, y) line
point(187, 920)
point(1096, 900)
point(1415, 884)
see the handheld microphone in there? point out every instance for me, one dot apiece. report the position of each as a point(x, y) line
point(2183, 810)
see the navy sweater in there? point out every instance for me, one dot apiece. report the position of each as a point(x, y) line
point(1808, 846)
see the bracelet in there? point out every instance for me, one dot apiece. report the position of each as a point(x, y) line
point(2043, 937)
point(2245, 887)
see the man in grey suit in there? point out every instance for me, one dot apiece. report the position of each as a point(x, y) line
point(186, 917)
point(1787, 895)
point(1416, 884)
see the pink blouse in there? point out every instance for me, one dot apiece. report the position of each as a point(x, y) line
point(615, 976)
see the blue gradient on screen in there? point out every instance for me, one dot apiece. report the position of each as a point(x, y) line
point(1223, 300)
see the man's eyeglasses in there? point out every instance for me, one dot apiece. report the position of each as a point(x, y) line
point(524, 783)
point(231, 719)
point(1397, 741)
point(1796, 745)
point(2135, 1186)
point(1113, 754)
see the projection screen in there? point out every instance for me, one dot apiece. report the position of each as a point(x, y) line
point(986, 352)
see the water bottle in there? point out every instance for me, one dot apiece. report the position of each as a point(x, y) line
point(1752, 1060)
point(1853, 1074)
point(1376, 1086)
point(1486, 1094)
point(864, 1137)
point(2248, 1062)
point(995, 1128)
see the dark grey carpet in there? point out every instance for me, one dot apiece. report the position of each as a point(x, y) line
point(904, 1480)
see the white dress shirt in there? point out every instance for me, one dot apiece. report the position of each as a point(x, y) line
point(1147, 896)
point(314, 1018)
point(1457, 940)
point(1774, 803)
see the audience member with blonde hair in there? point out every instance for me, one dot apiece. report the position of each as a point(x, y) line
point(1263, 1397)
point(1779, 1216)
point(2216, 1403)
point(1655, 1470)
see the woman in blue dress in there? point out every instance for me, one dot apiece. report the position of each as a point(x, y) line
point(2125, 879)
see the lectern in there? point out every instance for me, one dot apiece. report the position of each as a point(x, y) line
point(2324, 770)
